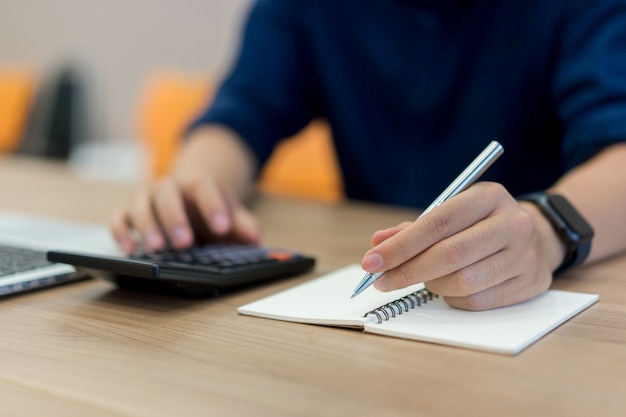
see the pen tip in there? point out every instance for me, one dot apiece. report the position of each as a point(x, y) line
point(353, 295)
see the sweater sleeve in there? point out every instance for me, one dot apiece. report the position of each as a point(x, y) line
point(590, 80)
point(267, 95)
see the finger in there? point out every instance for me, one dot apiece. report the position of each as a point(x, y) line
point(144, 221)
point(245, 226)
point(447, 257)
point(513, 231)
point(382, 235)
point(477, 277)
point(512, 291)
point(170, 211)
point(212, 206)
point(122, 231)
point(449, 218)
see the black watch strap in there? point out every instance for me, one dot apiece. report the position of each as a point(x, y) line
point(568, 223)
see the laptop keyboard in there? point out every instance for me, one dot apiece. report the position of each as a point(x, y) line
point(14, 260)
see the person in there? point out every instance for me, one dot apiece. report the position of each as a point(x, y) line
point(412, 90)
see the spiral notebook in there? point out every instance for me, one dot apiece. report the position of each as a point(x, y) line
point(414, 313)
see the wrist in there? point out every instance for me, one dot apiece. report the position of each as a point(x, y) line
point(219, 153)
point(569, 225)
point(550, 244)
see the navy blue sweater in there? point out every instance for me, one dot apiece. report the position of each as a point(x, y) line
point(414, 89)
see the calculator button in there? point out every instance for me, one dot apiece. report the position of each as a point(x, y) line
point(279, 255)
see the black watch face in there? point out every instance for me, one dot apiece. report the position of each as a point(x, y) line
point(570, 216)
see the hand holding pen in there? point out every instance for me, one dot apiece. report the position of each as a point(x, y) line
point(469, 175)
point(479, 250)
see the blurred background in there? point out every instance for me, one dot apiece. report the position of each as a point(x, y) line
point(81, 73)
point(110, 86)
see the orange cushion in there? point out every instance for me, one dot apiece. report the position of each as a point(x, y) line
point(303, 166)
point(17, 88)
point(170, 101)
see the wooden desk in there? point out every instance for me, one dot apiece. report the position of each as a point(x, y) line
point(88, 349)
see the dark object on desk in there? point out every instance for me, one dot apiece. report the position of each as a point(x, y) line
point(58, 120)
point(197, 272)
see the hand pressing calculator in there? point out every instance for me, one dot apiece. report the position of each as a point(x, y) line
point(198, 271)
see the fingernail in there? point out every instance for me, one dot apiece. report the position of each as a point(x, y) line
point(181, 236)
point(127, 245)
point(372, 262)
point(219, 223)
point(153, 240)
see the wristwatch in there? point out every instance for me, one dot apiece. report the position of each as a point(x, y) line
point(568, 223)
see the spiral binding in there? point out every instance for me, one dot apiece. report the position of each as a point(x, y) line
point(402, 305)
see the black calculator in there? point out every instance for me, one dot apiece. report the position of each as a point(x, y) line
point(198, 271)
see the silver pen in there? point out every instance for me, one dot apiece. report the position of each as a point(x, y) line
point(462, 182)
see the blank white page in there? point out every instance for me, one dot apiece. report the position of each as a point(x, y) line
point(325, 300)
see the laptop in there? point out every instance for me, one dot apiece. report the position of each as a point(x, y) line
point(25, 240)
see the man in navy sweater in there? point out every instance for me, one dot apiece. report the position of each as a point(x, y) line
point(413, 89)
